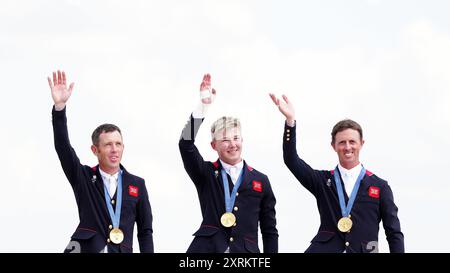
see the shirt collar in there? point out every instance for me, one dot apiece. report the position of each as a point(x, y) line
point(352, 172)
point(107, 175)
point(227, 167)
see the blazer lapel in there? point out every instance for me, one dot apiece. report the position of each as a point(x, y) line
point(363, 188)
point(247, 177)
point(346, 198)
point(99, 181)
point(218, 175)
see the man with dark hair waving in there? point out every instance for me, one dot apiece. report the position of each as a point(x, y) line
point(351, 200)
point(234, 197)
point(109, 199)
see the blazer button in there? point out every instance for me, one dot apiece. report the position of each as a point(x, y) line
point(347, 243)
point(112, 201)
point(110, 226)
point(288, 130)
point(108, 241)
point(237, 194)
point(287, 135)
point(234, 224)
point(231, 239)
point(236, 208)
point(287, 139)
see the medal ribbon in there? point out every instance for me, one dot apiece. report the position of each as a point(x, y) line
point(115, 215)
point(347, 209)
point(229, 200)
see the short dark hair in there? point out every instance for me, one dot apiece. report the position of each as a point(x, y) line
point(104, 128)
point(343, 125)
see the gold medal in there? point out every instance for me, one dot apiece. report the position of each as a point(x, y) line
point(116, 236)
point(345, 224)
point(228, 219)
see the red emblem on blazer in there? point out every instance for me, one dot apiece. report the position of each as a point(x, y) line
point(374, 192)
point(257, 186)
point(133, 191)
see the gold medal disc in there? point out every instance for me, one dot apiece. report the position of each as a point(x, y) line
point(116, 236)
point(345, 224)
point(228, 219)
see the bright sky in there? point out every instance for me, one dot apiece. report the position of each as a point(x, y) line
point(138, 64)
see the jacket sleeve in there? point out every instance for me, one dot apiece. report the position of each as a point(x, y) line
point(268, 221)
point(391, 223)
point(193, 162)
point(144, 221)
point(307, 176)
point(69, 160)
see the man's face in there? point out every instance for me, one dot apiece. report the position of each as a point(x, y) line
point(347, 145)
point(228, 144)
point(109, 151)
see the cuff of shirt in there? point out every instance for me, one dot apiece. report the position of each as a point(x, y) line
point(200, 111)
point(290, 124)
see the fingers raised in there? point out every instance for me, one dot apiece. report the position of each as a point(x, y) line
point(50, 82)
point(71, 87)
point(274, 99)
point(59, 77)
point(206, 82)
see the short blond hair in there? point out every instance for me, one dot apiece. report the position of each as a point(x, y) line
point(224, 123)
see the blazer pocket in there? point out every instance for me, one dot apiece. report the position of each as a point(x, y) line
point(251, 246)
point(323, 236)
point(206, 231)
point(368, 199)
point(253, 194)
point(125, 249)
point(83, 234)
point(129, 199)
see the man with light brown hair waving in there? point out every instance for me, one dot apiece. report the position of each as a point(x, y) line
point(351, 200)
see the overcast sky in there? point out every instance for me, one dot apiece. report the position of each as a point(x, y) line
point(138, 64)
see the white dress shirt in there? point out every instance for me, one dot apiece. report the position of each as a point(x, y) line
point(233, 170)
point(110, 181)
point(349, 177)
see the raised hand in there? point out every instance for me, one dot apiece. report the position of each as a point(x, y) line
point(285, 107)
point(207, 94)
point(60, 92)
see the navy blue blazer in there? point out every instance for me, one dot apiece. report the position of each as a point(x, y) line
point(374, 202)
point(255, 202)
point(95, 224)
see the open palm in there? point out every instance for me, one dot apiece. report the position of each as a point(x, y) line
point(60, 92)
point(207, 94)
point(285, 106)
